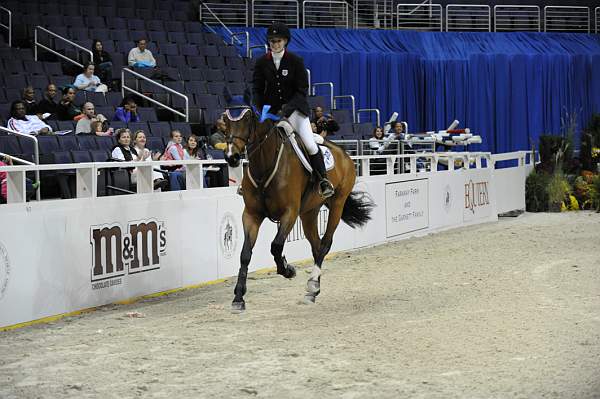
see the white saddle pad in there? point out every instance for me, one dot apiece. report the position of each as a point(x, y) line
point(326, 152)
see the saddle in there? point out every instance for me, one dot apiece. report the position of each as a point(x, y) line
point(300, 149)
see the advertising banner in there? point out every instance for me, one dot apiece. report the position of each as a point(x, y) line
point(407, 206)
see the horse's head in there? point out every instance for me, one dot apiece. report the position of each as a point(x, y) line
point(241, 126)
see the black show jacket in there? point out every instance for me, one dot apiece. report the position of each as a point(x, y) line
point(285, 88)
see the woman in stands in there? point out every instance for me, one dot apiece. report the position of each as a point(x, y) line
point(28, 124)
point(103, 60)
point(280, 80)
point(376, 144)
point(123, 151)
point(87, 80)
point(175, 151)
point(194, 150)
point(67, 110)
point(127, 111)
point(144, 154)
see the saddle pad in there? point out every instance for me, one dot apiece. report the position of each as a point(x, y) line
point(327, 155)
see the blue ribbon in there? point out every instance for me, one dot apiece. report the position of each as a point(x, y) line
point(266, 115)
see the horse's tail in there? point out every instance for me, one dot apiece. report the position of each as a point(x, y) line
point(357, 209)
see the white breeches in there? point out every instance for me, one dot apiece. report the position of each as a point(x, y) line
point(301, 125)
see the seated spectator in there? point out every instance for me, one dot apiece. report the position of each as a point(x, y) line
point(103, 60)
point(397, 131)
point(218, 136)
point(30, 186)
point(21, 122)
point(67, 110)
point(84, 125)
point(175, 151)
point(47, 106)
point(28, 97)
point(144, 154)
point(195, 149)
point(101, 128)
point(377, 145)
point(123, 151)
point(325, 123)
point(140, 57)
point(127, 111)
point(88, 81)
point(313, 127)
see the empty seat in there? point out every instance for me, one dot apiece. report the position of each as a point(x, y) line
point(234, 76)
point(155, 25)
point(155, 144)
point(48, 144)
point(105, 142)
point(341, 115)
point(169, 49)
point(135, 126)
point(136, 24)
point(207, 101)
point(177, 37)
point(53, 68)
point(196, 87)
point(195, 38)
point(213, 75)
point(215, 87)
point(9, 145)
point(158, 36)
point(196, 62)
point(183, 127)
point(87, 142)
point(97, 99)
point(208, 51)
point(161, 129)
point(177, 61)
point(80, 156)
point(362, 129)
point(193, 27)
point(235, 62)
point(65, 125)
point(136, 35)
point(33, 67)
point(147, 114)
point(99, 155)
point(67, 143)
point(188, 50)
point(228, 51)
point(216, 62)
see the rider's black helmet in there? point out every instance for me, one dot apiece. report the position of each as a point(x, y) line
point(278, 29)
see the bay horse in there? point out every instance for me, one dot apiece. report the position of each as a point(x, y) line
point(275, 185)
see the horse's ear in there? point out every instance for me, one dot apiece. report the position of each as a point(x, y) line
point(248, 96)
point(227, 94)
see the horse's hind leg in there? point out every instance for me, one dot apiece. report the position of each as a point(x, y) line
point(285, 226)
point(311, 232)
point(251, 224)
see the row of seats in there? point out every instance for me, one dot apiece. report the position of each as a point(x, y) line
point(181, 13)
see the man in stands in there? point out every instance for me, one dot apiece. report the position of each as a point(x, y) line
point(28, 97)
point(48, 105)
point(140, 57)
point(325, 123)
point(23, 123)
point(67, 110)
point(218, 137)
point(84, 125)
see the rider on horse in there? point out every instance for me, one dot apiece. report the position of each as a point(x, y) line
point(280, 80)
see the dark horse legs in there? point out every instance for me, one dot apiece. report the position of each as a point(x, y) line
point(251, 224)
point(285, 226)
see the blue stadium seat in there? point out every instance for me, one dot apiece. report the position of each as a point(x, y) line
point(147, 114)
point(87, 142)
point(99, 155)
point(159, 129)
point(48, 144)
point(80, 156)
point(135, 126)
point(155, 144)
point(155, 25)
point(177, 37)
point(183, 127)
point(67, 143)
point(9, 145)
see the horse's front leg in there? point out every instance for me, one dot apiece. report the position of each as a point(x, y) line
point(251, 225)
point(285, 226)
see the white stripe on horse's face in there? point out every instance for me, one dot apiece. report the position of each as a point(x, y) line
point(229, 150)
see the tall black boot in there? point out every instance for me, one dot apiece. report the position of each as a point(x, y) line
point(318, 165)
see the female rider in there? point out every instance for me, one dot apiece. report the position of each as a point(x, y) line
point(280, 80)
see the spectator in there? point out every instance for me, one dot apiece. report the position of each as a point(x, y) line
point(397, 132)
point(101, 128)
point(127, 111)
point(67, 110)
point(30, 186)
point(144, 154)
point(48, 107)
point(196, 149)
point(378, 146)
point(23, 123)
point(218, 137)
point(140, 57)
point(84, 125)
point(175, 151)
point(87, 80)
point(325, 123)
point(103, 60)
point(28, 97)
point(123, 151)
point(313, 127)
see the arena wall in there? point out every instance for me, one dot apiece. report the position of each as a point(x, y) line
point(54, 257)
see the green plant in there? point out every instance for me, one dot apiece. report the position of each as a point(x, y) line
point(558, 191)
point(536, 193)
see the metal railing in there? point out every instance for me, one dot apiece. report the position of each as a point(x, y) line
point(369, 110)
point(36, 156)
point(468, 17)
point(124, 88)
point(246, 36)
point(314, 86)
point(231, 12)
point(352, 104)
point(424, 17)
point(567, 19)
point(9, 25)
point(258, 46)
point(215, 20)
point(517, 18)
point(56, 36)
point(264, 12)
point(325, 14)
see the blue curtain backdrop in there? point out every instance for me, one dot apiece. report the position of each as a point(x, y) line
point(507, 87)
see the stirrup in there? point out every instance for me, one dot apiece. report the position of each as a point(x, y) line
point(326, 188)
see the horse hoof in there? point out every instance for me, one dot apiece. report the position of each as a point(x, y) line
point(238, 307)
point(309, 299)
point(290, 272)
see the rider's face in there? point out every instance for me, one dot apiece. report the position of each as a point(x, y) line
point(277, 44)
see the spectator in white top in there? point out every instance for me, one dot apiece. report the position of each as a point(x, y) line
point(87, 80)
point(144, 154)
point(140, 57)
point(28, 124)
point(84, 125)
